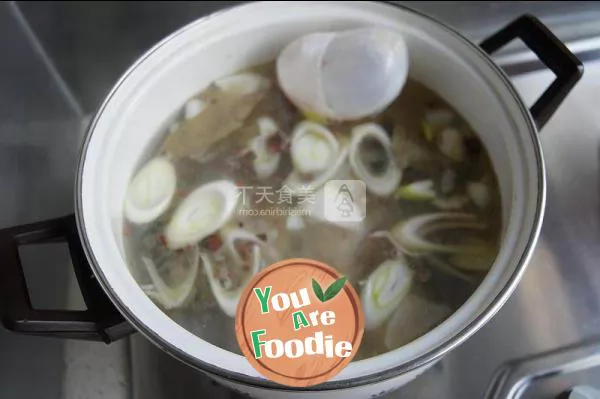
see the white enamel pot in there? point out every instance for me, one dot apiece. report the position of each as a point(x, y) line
point(161, 81)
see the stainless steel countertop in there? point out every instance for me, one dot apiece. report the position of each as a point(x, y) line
point(556, 304)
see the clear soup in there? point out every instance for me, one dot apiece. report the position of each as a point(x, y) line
point(433, 236)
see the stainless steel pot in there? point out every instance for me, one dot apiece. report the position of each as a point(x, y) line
point(185, 62)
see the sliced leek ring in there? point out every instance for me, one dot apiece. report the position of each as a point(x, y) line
point(262, 255)
point(411, 234)
point(384, 290)
point(384, 182)
point(161, 292)
point(314, 148)
point(150, 192)
point(229, 299)
point(297, 184)
point(201, 213)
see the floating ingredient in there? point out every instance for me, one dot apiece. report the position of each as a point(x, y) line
point(411, 234)
point(417, 191)
point(248, 254)
point(233, 103)
point(204, 211)
point(449, 269)
point(475, 262)
point(266, 159)
point(439, 117)
point(454, 203)
point(479, 193)
point(150, 192)
point(298, 183)
point(168, 296)
point(314, 148)
point(226, 297)
point(384, 290)
point(388, 236)
point(344, 75)
point(242, 84)
point(413, 318)
point(434, 120)
point(316, 156)
point(372, 161)
point(193, 108)
point(451, 144)
point(410, 150)
point(232, 236)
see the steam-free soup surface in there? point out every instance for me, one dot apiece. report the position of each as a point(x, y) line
point(432, 207)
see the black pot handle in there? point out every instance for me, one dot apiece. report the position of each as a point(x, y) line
point(551, 51)
point(100, 322)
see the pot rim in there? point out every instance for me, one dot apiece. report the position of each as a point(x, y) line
point(424, 359)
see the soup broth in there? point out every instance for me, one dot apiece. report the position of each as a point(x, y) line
point(439, 224)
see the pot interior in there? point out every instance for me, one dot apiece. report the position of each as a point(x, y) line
point(130, 120)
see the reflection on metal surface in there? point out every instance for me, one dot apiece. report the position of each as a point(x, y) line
point(549, 374)
point(582, 392)
point(93, 43)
